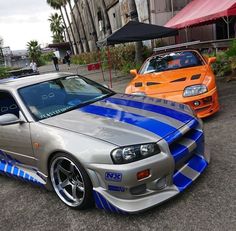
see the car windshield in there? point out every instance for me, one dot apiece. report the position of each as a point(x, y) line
point(171, 61)
point(57, 96)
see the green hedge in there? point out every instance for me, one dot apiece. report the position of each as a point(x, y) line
point(225, 61)
point(4, 72)
point(122, 57)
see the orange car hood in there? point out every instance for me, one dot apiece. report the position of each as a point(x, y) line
point(169, 81)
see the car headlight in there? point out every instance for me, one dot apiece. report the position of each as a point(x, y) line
point(195, 90)
point(133, 153)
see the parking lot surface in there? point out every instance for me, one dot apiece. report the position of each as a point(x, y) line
point(209, 204)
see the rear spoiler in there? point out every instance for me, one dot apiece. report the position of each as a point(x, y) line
point(173, 47)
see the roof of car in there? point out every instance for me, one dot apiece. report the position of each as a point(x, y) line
point(175, 50)
point(155, 54)
point(15, 83)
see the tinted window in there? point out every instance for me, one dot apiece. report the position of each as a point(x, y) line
point(172, 61)
point(8, 104)
point(60, 95)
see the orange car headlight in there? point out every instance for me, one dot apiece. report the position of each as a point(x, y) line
point(195, 90)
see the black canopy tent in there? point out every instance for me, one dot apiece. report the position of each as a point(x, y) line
point(135, 31)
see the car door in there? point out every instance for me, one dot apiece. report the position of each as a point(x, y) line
point(15, 139)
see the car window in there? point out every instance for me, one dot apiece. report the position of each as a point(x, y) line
point(77, 85)
point(60, 95)
point(8, 104)
point(171, 61)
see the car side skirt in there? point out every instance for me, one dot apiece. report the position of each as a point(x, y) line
point(14, 170)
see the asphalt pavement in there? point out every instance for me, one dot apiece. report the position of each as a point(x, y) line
point(209, 204)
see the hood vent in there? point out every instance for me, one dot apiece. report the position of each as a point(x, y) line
point(138, 84)
point(195, 76)
point(179, 80)
point(152, 83)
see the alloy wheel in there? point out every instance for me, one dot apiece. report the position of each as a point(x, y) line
point(67, 181)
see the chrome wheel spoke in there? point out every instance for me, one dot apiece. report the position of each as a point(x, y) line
point(74, 194)
point(63, 170)
point(80, 186)
point(72, 167)
point(81, 189)
point(65, 183)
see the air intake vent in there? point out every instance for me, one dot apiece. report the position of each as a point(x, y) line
point(179, 80)
point(138, 84)
point(152, 83)
point(195, 76)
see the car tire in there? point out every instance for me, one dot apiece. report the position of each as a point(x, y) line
point(70, 181)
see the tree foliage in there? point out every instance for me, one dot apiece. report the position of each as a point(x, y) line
point(55, 4)
point(57, 28)
point(1, 52)
point(1, 41)
point(34, 50)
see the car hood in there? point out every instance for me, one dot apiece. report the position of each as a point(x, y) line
point(126, 119)
point(168, 81)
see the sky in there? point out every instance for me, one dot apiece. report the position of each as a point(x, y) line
point(24, 20)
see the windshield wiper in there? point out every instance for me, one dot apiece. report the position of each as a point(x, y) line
point(90, 101)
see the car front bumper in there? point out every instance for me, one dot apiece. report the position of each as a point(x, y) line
point(170, 174)
point(208, 104)
point(204, 105)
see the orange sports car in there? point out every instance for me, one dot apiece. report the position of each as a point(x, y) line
point(184, 76)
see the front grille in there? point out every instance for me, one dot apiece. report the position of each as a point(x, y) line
point(186, 146)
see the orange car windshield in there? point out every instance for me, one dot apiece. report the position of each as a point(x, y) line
point(171, 61)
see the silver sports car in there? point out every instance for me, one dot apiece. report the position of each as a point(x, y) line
point(126, 153)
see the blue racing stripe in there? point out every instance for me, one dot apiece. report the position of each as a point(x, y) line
point(9, 168)
point(197, 163)
point(157, 127)
point(2, 165)
point(174, 136)
point(181, 181)
point(102, 203)
point(180, 116)
point(21, 174)
point(97, 200)
point(13, 171)
point(194, 135)
point(179, 151)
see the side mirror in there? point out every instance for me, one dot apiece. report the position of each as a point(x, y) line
point(211, 60)
point(9, 119)
point(133, 72)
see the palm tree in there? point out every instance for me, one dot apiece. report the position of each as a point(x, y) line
point(57, 5)
point(1, 54)
point(34, 50)
point(63, 4)
point(56, 28)
point(106, 17)
point(1, 41)
point(76, 26)
point(91, 18)
point(82, 25)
